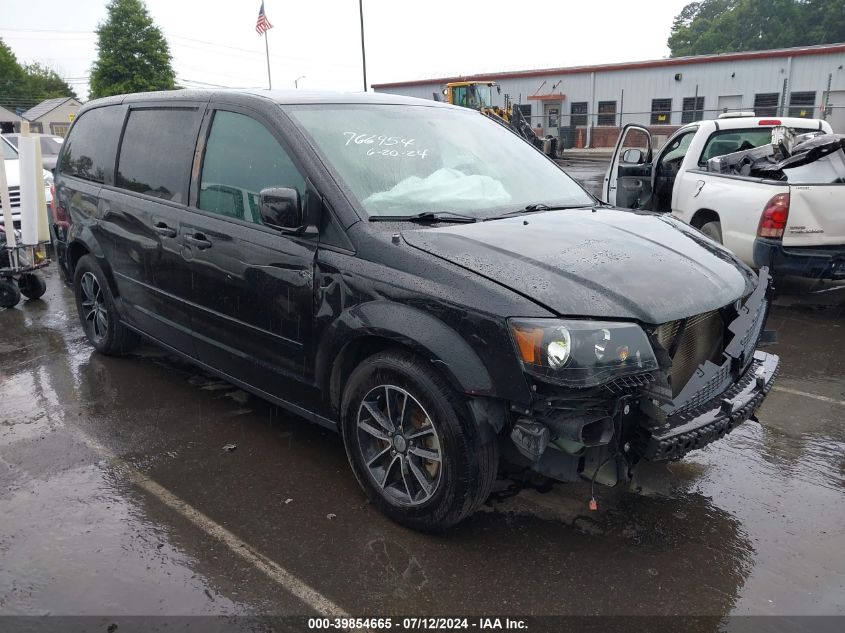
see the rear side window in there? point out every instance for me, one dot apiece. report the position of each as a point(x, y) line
point(730, 141)
point(156, 152)
point(90, 147)
point(241, 159)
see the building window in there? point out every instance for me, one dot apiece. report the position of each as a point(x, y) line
point(661, 111)
point(801, 104)
point(607, 114)
point(766, 104)
point(578, 114)
point(693, 109)
point(59, 129)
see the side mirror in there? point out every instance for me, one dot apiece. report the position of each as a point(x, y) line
point(635, 156)
point(280, 207)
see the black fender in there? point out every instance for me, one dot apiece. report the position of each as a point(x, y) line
point(408, 327)
point(81, 236)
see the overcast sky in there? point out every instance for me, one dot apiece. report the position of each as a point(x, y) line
point(214, 41)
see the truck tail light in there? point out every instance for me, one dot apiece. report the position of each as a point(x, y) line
point(774, 217)
point(769, 122)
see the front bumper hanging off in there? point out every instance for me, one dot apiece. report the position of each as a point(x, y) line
point(719, 397)
point(692, 429)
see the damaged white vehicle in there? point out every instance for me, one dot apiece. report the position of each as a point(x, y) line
point(772, 190)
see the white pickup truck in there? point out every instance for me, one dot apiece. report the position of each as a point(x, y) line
point(792, 221)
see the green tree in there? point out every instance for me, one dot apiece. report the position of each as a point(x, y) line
point(11, 76)
point(725, 26)
point(25, 85)
point(45, 83)
point(133, 54)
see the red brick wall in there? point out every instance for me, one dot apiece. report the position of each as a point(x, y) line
point(607, 136)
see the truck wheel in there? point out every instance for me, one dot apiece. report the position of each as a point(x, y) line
point(412, 445)
point(97, 311)
point(32, 286)
point(713, 230)
point(10, 294)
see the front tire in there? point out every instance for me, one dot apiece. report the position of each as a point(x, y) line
point(713, 230)
point(97, 311)
point(412, 444)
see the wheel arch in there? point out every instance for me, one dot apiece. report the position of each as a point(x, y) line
point(82, 245)
point(703, 216)
point(373, 327)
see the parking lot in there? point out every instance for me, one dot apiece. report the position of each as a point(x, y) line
point(116, 495)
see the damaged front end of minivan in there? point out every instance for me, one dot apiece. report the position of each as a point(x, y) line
point(609, 395)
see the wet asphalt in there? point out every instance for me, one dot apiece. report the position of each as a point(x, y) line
point(117, 497)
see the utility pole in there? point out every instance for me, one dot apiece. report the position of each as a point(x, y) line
point(363, 51)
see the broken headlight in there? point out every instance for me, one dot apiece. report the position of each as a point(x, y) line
point(581, 353)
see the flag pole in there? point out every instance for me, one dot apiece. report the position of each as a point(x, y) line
point(267, 50)
point(363, 52)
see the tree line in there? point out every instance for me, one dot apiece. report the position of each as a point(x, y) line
point(24, 85)
point(728, 26)
point(132, 56)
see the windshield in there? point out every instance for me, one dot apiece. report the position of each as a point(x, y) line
point(480, 96)
point(9, 152)
point(404, 160)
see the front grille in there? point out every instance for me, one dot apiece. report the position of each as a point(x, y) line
point(15, 196)
point(701, 339)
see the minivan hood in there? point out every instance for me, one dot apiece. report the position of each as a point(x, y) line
point(601, 262)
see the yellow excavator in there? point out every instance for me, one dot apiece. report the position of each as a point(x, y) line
point(478, 95)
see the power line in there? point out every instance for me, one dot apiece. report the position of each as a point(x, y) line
point(289, 58)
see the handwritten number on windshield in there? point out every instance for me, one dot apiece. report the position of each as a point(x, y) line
point(411, 153)
point(380, 139)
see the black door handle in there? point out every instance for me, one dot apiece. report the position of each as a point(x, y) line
point(162, 229)
point(198, 240)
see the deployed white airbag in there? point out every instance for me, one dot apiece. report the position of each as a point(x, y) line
point(444, 189)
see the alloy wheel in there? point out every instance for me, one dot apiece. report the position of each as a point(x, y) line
point(399, 445)
point(94, 307)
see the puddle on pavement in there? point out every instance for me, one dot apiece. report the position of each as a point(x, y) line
point(752, 524)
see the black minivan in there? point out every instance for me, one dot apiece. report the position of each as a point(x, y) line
point(413, 275)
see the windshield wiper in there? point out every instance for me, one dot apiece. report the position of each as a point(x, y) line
point(425, 216)
point(535, 207)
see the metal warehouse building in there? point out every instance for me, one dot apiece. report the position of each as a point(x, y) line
point(587, 105)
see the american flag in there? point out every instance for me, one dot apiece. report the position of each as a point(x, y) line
point(263, 24)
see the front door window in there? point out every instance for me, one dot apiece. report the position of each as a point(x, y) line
point(241, 158)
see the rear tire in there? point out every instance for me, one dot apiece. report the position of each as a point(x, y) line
point(32, 286)
point(713, 230)
point(412, 444)
point(97, 311)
